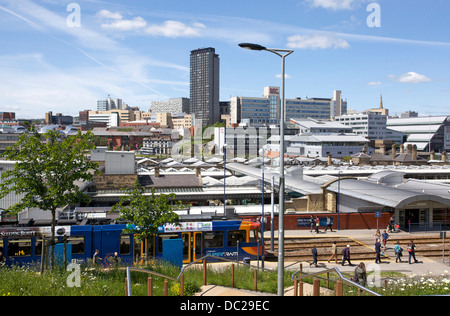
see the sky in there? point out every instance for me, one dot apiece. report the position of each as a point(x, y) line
point(63, 56)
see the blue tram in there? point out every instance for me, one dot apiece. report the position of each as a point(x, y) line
point(228, 239)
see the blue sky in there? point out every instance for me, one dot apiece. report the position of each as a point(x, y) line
point(138, 51)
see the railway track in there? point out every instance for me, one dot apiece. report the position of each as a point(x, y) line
point(297, 249)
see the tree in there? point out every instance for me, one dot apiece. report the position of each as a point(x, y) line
point(145, 213)
point(46, 171)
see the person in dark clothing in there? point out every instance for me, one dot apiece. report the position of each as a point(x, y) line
point(378, 251)
point(312, 222)
point(346, 255)
point(315, 255)
point(329, 225)
point(412, 252)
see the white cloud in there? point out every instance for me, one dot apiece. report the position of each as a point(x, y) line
point(109, 15)
point(118, 23)
point(174, 29)
point(316, 42)
point(126, 25)
point(410, 77)
point(374, 83)
point(334, 5)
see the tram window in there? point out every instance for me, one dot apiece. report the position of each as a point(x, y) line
point(38, 246)
point(125, 244)
point(213, 239)
point(254, 235)
point(162, 237)
point(233, 236)
point(19, 247)
point(77, 244)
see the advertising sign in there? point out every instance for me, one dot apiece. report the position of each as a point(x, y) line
point(186, 227)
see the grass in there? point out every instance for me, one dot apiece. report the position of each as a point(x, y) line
point(25, 281)
point(20, 281)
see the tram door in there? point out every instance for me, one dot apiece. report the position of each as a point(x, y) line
point(144, 250)
point(192, 246)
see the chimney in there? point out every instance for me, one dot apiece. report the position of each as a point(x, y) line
point(432, 155)
point(444, 156)
point(198, 172)
point(157, 175)
point(330, 160)
point(409, 149)
point(383, 150)
point(394, 151)
point(414, 152)
point(402, 149)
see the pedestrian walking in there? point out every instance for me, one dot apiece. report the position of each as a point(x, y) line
point(96, 258)
point(312, 222)
point(346, 255)
point(329, 224)
point(377, 235)
point(378, 251)
point(398, 252)
point(385, 237)
point(333, 252)
point(317, 224)
point(314, 255)
point(412, 252)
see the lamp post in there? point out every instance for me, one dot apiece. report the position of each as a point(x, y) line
point(224, 172)
point(283, 53)
point(263, 204)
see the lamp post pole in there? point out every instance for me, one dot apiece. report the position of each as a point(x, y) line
point(283, 53)
point(224, 171)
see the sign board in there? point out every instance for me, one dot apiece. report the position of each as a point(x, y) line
point(186, 227)
point(306, 222)
point(377, 214)
point(26, 232)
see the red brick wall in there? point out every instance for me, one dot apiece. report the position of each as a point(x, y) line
point(346, 221)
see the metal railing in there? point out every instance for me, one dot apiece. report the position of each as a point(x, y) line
point(425, 228)
point(179, 278)
point(341, 277)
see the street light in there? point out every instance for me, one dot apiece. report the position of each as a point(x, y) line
point(283, 53)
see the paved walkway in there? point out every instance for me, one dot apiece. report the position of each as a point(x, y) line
point(366, 237)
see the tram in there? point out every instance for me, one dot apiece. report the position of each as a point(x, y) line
point(231, 239)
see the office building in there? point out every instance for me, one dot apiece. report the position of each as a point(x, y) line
point(58, 119)
point(265, 110)
point(429, 133)
point(313, 126)
point(172, 106)
point(204, 85)
point(322, 145)
point(337, 105)
point(7, 116)
point(111, 104)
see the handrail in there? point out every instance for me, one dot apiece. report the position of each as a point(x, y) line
point(153, 273)
point(340, 276)
point(189, 265)
point(219, 258)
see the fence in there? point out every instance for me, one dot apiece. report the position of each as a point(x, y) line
point(424, 228)
point(298, 283)
point(180, 277)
